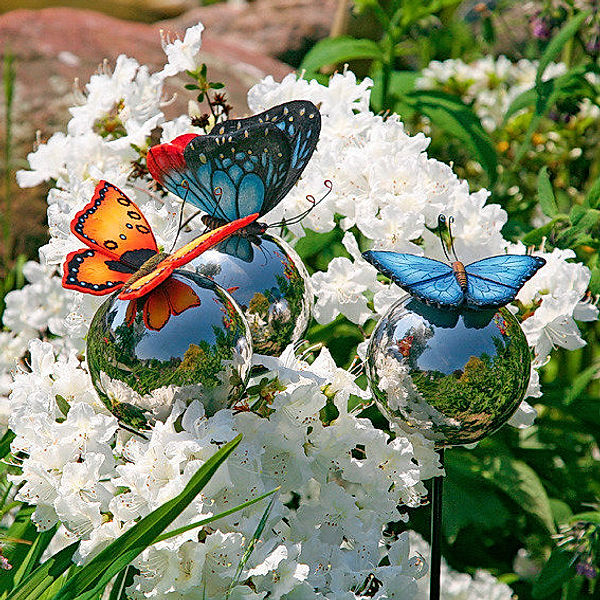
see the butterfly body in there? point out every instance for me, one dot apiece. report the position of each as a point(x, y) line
point(488, 283)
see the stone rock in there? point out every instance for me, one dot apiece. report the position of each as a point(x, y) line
point(52, 47)
point(283, 29)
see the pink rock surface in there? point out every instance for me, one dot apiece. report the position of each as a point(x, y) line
point(54, 46)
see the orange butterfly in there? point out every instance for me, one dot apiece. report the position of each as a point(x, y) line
point(122, 254)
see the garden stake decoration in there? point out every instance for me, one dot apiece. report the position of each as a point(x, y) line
point(245, 166)
point(448, 359)
point(163, 327)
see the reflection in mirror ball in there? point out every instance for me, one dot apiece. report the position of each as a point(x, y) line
point(268, 281)
point(185, 340)
point(454, 376)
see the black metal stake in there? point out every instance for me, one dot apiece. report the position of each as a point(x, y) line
point(436, 535)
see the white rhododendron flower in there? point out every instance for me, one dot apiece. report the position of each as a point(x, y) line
point(341, 482)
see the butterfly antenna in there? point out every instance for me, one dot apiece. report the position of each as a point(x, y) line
point(186, 186)
point(218, 192)
point(450, 221)
point(313, 204)
point(441, 226)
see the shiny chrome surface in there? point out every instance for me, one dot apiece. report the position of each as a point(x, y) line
point(269, 281)
point(203, 353)
point(454, 376)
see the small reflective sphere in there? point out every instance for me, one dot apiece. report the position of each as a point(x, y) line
point(454, 376)
point(186, 340)
point(268, 280)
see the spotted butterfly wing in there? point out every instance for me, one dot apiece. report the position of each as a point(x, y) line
point(428, 279)
point(300, 120)
point(244, 165)
point(119, 241)
point(238, 174)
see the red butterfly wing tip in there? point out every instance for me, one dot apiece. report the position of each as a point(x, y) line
point(168, 156)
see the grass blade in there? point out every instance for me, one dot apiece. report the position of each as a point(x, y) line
point(111, 560)
point(251, 546)
point(45, 576)
point(33, 556)
point(555, 46)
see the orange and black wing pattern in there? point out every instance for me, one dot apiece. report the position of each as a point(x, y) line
point(119, 241)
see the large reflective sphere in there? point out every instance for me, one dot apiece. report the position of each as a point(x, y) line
point(187, 340)
point(268, 281)
point(455, 376)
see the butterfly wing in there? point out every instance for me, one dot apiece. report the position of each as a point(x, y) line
point(113, 224)
point(495, 281)
point(146, 283)
point(92, 272)
point(119, 238)
point(238, 246)
point(428, 279)
point(300, 120)
point(167, 165)
point(237, 174)
point(172, 297)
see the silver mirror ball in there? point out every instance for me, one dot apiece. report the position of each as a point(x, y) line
point(268, 280)
point(191, 342)
point(454, 376)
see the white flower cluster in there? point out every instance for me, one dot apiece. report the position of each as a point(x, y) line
point(341, 482)
point(385, 185)
point(492, 84)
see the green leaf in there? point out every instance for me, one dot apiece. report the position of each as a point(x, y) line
point(521, 483)
point(580, 383)
point(545, 96)
point(456, 118)
point(112, 559)
point(33, 556)
point(535, 236)
point(5, 443)
point(250, 547)
point(216, 85)
point(24, 531)
point(587, 517)
point(523, 100)
point(555, 46)
point(401, 82)
point(584, 221)
point(592, 198)
point(545, 194)
point(242, 506)
point(45, 575)
point(557, 571)
point(594, 284)
point(468, 501)
point(191, 86)
point(332, 51)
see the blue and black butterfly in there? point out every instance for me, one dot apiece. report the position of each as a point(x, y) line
point(243, 166)
point(487, 283)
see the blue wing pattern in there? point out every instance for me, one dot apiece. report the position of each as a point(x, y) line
point(495, 281)
point(234, 175)
point(300, 121)
point(428, 279)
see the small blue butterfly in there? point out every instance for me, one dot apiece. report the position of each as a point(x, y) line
point(487, 283)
